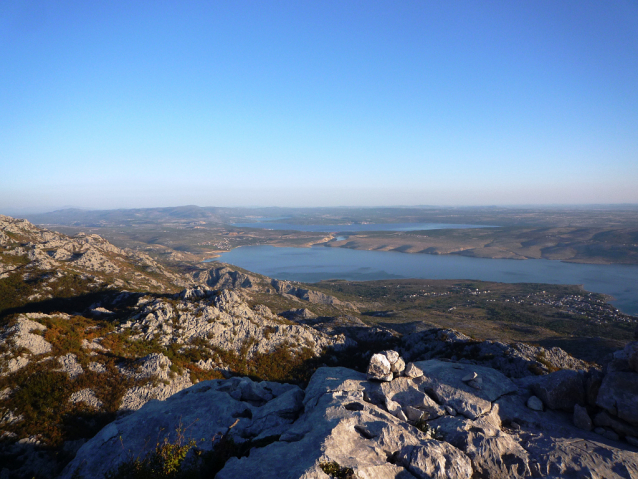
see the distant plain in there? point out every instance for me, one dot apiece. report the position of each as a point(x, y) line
point(599, 235)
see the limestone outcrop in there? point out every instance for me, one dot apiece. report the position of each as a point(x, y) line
point(603, 400)
point(223, 277)
point(343, 420)
point(35, 252)
point(286, 287)
point(202, 412)
point(514, 360)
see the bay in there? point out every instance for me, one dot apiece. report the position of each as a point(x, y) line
point(320, 262)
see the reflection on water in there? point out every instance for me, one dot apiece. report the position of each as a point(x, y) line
point(318, 263)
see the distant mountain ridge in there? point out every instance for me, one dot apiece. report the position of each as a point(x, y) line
point(73, 216)
point(601, 216)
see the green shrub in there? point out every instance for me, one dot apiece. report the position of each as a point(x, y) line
point(333, 469)
point(165, 462)
point(170, 460)
point(422, 425)
point(41, 397)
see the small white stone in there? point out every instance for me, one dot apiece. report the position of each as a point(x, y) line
point(469, 377)
point(535, 404)
point(380, 368)
point(412, 371)
point(392, 356)
point(398, 367)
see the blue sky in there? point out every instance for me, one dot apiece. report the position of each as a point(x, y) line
point(140, 104)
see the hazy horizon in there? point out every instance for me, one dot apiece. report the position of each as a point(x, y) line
point(121, 105)
point(610, 206)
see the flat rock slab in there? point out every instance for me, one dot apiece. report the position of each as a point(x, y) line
point(574, 457)
point(444, 381)
point(329, 380)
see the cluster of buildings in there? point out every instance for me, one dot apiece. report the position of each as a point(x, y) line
point(588, 304)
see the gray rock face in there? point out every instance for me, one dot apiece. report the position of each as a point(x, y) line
point(86, 396)
point(385, 365)
point(514, 360)
point(620, 427)
point(224, 277)
point(152, 366)
point(632, 355)
point(19, 337)
point(309, 295)
point(557, 449)
point(561, 390)
point(298, 314)
point(89, 255)
point(70, 365)
point(581, 418)
point(574, 458)
point(494, 454)
point(337, 425)
point(201, 411)
point(592, 385)
point(405, 393)
point(225, 321)
point(22, 336)
point(331, 421)
point(435, 460)
point(443, 381)
point(618, 395)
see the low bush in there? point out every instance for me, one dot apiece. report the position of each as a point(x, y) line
point(334, 470)
point(171, 460)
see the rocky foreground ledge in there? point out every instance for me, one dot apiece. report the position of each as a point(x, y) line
point(427, 419)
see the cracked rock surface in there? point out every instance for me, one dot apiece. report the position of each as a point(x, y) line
point(341, 418)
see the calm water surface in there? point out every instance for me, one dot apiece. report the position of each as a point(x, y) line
point(319, 262)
